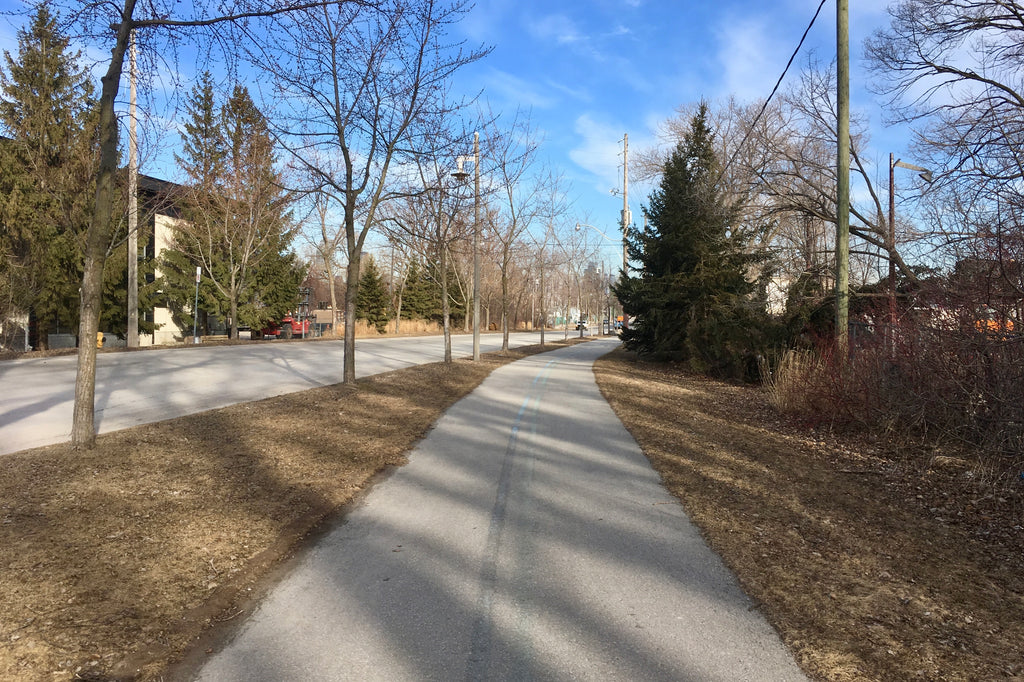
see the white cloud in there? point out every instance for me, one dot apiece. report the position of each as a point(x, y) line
point(556, 28)
point(520, 91)
point(599, 151)
point(580, 93)
point(750, 58)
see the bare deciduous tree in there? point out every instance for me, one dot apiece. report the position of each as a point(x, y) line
point(353, 83)
point(955, 70)
point(520, 194)
point(113, 24)
point(237, 217)
point(429, 217)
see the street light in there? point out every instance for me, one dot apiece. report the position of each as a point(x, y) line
point(462, 176)
point(625, 258)
point(625, 263)
point(925, 175)
point(195, 309)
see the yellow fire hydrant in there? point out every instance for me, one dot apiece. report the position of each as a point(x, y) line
point(99, 339)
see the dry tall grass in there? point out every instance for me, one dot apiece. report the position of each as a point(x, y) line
point(405, 328)
point(787, 384)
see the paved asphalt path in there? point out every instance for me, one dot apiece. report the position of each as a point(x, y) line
point(526, 539)
point(137, 388)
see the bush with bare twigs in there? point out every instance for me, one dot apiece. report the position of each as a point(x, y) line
point(923, 386)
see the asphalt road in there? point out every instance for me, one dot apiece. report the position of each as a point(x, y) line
point(527, 539)
point(37, 395)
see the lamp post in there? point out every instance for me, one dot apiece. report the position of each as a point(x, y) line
point(625, 259)
point(461, 176)
point(625, 262)
point(195, 309)
point(926, 175)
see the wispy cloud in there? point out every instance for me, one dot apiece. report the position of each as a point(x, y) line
point(522, 91)
point(577, 93)
point(560, 30)
point(556, 28)
point(597, 150)
point(748, 54)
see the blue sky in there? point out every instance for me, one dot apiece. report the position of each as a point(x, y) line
point(590, 70)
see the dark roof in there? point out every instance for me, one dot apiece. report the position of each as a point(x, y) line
point(147, 183)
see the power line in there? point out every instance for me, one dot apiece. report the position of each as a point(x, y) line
point(757, 118)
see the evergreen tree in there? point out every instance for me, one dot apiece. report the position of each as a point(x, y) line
point(372, 297)
point(202, 140)
point(456, 309)
point(236, 223)
point(114, 316)
point(691, 300)
point(419, 296)
point(47, 173)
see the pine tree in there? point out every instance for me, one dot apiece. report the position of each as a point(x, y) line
point(372, 297)
point(114, 316)
point(419, 296)
point(202, 140)
point(236, 222)
point(691, 298)
point(47, 173)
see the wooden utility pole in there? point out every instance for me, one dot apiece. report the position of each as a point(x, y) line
point(132, 337)
point(843, 180)
point(476, 246)
point(626, 217)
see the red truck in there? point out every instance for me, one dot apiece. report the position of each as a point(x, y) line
point(286, 328)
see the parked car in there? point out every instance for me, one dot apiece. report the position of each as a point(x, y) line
point(285, 329)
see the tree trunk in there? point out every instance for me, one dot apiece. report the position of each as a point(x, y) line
point(334, 301)
point(351, 290)
point(398, 309)
point(38, 337)
point(504, 309)
point(83, 426)
point(543, 313)
point(446, 308)
point(568, 303)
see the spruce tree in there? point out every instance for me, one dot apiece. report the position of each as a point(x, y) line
point(202, 158)
point(419, 295)
point(47, 173)
point(372, 297)
point(690, 300)
point(236, 221)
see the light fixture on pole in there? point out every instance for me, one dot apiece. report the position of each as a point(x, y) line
point(925, 175)
point(461, 175)
point(625, 262)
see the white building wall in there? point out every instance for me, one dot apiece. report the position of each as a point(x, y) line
point(167, 331)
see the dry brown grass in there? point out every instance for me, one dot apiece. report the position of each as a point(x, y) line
point(870, 571)
point(113, 561)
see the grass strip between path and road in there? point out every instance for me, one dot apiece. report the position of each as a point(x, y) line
point(114, 560)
